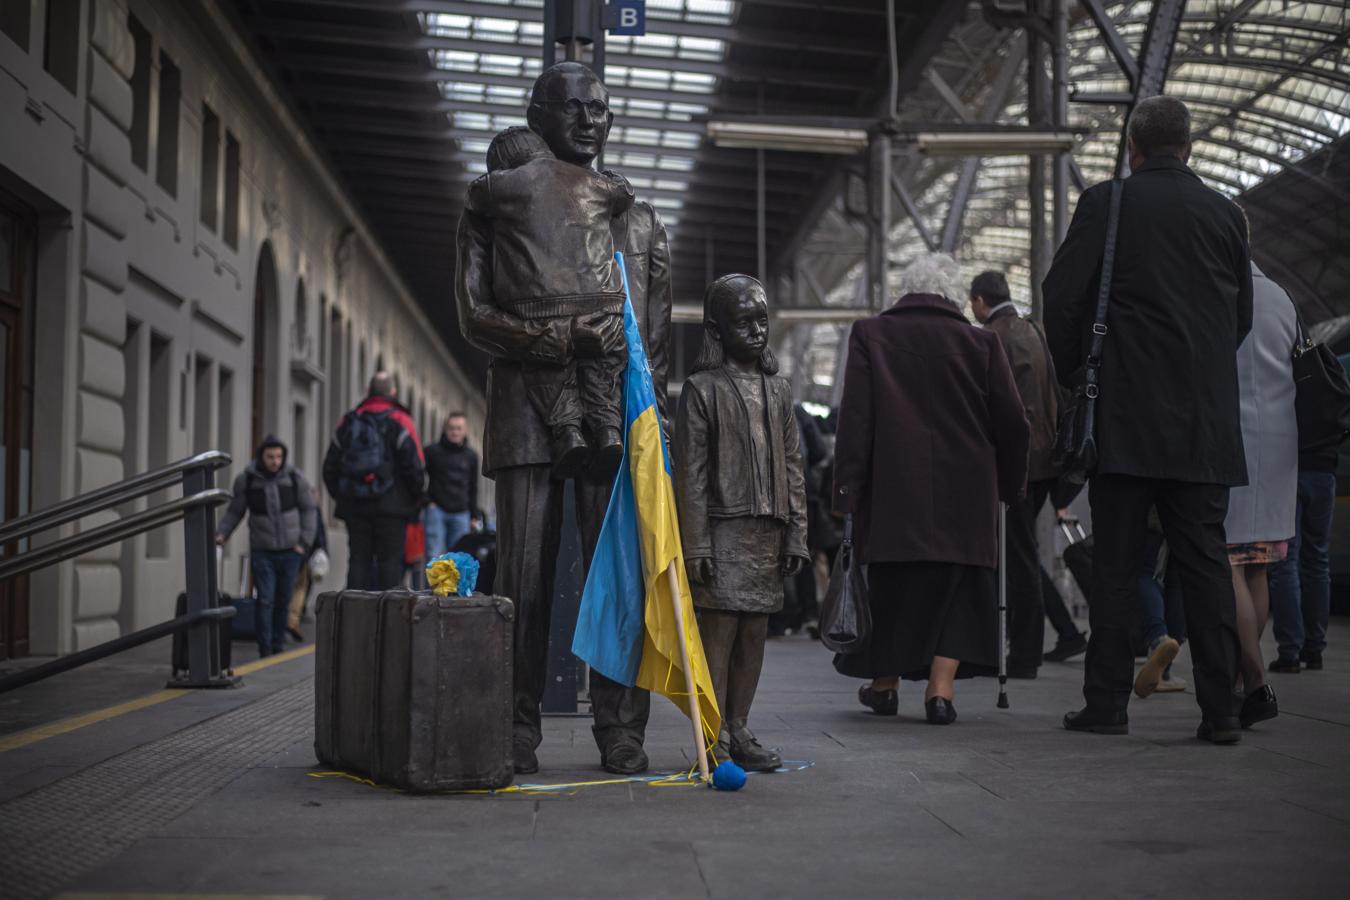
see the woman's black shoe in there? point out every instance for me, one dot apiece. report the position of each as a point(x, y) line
point(1258, 706)
point(940, 711)
point(296, 633)
point(1098, 722)
point(882, 703)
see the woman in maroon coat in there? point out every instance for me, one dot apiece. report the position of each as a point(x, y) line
point(931, 437)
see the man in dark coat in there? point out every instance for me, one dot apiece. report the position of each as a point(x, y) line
point(1168, 425)
point(377, 505)
point(569, 108)
point(991, 303)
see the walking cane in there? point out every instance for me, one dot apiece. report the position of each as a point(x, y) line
point(1002, 606)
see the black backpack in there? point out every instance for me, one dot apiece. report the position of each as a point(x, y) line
point(367, 465)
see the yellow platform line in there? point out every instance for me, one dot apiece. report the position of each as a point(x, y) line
point(75, 723)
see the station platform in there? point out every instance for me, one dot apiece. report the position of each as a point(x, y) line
point(113, 787)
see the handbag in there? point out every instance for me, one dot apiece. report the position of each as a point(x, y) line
point(1321, 395)
point(1075, 451)
point(845, 617)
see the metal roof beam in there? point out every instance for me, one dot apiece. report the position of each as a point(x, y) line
point(350, 36)
point(349, 98)
point(1114, 42)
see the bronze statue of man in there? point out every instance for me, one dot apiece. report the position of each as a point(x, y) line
point(569, 109)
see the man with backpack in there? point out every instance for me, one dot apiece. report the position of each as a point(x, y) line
point(375, 470)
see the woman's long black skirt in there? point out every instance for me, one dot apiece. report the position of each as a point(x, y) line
point(923, 609)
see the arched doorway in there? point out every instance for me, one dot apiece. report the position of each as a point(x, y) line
point(266, 345)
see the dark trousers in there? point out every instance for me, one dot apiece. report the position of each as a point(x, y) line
point(375, 553)
point(1300, 587)
point(529, 525)
point(1055, 610)
point(1026, 600)
point(274, 574)
point(1192, 519)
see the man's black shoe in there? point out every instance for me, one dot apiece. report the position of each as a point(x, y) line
point(1220, 731)
point(1285, 665)
point(1312, 659)
point(1025, 672)
point(624, 758)
point(882, 703)
point(1098, 721)
point(523, 758)
point(1258, 706)
point(1066, 649)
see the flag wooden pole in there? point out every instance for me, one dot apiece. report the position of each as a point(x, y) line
point(695, 708)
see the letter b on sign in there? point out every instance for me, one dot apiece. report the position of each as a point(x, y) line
point(628, 17)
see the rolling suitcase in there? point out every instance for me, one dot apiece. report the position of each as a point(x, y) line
point(415, 690)
point(1078, 557)
point(179, 653)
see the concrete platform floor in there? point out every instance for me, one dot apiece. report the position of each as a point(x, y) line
point(211, 793)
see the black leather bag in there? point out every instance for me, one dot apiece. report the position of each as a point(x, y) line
point(845, 617)
point(1075, 452)
point(1322, 395)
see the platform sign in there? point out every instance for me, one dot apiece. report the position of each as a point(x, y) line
point(627, 17)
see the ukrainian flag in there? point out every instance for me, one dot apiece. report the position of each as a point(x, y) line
point(626, 629)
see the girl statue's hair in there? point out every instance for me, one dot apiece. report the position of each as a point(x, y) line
point(710, 353)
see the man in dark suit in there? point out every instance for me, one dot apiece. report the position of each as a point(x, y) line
point(1168, 424)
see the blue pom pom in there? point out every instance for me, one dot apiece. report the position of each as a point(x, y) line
point(728, 777)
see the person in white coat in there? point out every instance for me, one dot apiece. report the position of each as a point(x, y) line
point(1260, 519)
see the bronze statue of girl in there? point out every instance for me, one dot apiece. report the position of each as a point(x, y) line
point(742, 499)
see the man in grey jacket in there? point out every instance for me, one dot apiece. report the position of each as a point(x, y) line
point(281, 526)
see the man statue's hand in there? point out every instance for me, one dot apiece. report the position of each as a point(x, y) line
point(700, 570)
point(793, 565)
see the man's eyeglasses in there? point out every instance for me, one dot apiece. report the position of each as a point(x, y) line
point(573, 107)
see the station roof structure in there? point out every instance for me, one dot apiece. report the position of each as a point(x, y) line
point(404, 95)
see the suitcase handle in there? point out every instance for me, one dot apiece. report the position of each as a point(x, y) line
point(1064, 525)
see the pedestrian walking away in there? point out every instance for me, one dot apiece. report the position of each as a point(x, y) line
point(923, 385)
point(1168, 303)
point(282, 522)
point(375, 470)
point(992, 305)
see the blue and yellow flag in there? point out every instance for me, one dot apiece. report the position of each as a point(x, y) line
point(626, 629)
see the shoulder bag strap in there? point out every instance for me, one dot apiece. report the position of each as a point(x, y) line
point(1093, 364)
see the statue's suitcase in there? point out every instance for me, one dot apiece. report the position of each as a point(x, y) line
point(415, 690)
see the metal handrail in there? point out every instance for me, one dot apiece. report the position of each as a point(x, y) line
point(108, 497)
point(203, 614)
point(111, 533)
point(116, 645)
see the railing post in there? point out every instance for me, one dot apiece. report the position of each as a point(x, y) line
point(203, 639)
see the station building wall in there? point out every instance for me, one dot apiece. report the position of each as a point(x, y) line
point(198, 277)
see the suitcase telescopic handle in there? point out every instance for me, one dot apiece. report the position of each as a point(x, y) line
point(1064, 525)
point(848, 529)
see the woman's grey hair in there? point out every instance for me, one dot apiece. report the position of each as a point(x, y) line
point(934, 273)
